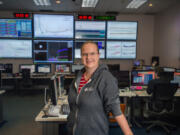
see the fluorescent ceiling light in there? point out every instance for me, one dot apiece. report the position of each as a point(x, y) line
point(136, 3)
point(89, 3)
point(42, 2)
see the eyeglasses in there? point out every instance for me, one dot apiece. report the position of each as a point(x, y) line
point(90, 54)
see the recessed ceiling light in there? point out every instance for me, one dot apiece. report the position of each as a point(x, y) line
point(1, 2)
point(42, 2)
point(89, 3)
point(58, 1)
point(150, 4)
point(136, 3)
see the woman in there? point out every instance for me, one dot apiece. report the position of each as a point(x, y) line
point(92, 95)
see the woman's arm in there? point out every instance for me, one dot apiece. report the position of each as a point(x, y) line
point(121, 120)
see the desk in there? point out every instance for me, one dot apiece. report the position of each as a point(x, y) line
point(143, 93)
point(52, 125)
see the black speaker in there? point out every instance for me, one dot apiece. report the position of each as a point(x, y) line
point(155, 59)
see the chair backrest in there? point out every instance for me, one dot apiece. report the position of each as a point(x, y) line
point(164, 91)
point(162, 96)
point(26, 74)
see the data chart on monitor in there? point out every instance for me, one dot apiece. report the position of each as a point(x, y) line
point(121, 49)
point(90, 29)
point(53, 51)
point(121, 30)
point(53, 26)
point(15, 48)
point(16, 28)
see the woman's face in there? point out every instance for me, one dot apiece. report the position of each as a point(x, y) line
point(90, 56)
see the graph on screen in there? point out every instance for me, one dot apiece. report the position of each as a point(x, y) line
point(53, 51)
point(90, 29)
point(13, 48)
point(121, 49)
point(54, 26)
point(121, 30)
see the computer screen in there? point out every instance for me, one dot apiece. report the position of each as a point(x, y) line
point(43, 68)
point(62, 68)
point(136, 63)
point(76, 67)
point(27, 66)
point(14, 48)
point(176, 78)
point(123, 78)
point(78, 44)
point(16, 28)
point(8, 68)
point(114, 67)
point(121, 30)
point(53, 26)
point(1, 66)
point(90, 29)
point(53, 51)
point(141, 77)
point(169, 69)
point(121, 50)
point(53, 91)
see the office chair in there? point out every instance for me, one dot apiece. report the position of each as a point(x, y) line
point(26, 80)
point(161, 104)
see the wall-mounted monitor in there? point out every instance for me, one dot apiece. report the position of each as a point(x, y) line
point(90, 29)
point(27, 66)
point(78, 44)
point(141, 77)
point(14, 48)
point(121, 49)
point(53, 51)
point(16, 28)
point(43, 68)
point(53, 26)
point(121, 30)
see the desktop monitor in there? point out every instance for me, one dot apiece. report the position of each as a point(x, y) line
point(176, 78)
point(136, 63)
point(141, 77)
point(101, 46)
point(53, 26)
point(62, 68)
point(8, 68)
point(169, 69)
point(76, 67)
point(53, 90)
point(43, 68)
point(1, 66)
point(53, 51)
point(31, 67)
point(114, 67)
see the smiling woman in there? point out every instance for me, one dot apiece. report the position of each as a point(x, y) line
point(92, 95)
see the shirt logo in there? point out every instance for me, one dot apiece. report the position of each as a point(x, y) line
point(88, 89)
